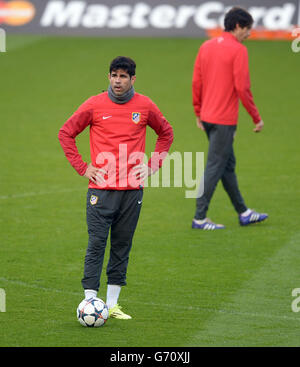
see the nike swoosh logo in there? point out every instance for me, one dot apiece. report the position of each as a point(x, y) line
point(140, 201)
point(106, 117)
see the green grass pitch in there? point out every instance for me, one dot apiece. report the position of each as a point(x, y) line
point(185, 287)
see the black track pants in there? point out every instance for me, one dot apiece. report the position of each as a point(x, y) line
point(117, 211)
point(220, 166)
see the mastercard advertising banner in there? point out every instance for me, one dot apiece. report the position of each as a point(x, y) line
point(16, 13)
point(155, 18)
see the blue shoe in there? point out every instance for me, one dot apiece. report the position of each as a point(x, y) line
point(253, 217)
point(207, 225)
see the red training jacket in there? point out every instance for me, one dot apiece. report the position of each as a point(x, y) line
point(220, 79)
point(117, 138)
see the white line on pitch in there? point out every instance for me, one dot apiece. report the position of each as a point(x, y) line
point(39, 193)
point(171, 306)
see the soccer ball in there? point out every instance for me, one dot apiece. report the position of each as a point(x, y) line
point(92, 312)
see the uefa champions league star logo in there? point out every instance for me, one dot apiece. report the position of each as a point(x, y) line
point(2, 300)
point(2, 40)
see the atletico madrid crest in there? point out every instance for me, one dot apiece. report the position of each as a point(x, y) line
point(136, 117)
point(94, 199)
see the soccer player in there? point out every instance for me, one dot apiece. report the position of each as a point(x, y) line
point(117, 119)
point(220, 80)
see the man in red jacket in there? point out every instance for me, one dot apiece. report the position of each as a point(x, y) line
point(117, 120)
point(220, 80)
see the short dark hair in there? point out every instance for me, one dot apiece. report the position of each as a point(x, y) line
point(238, 16)
point(125, 63)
